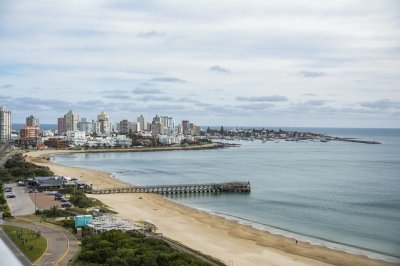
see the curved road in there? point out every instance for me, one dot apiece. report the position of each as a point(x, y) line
point(61, 245)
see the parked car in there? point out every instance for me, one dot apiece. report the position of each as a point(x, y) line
point(7, 189)
point(10, 195)
point(64, 200)
point(58, 196)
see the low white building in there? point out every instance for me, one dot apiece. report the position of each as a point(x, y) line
point(170, 140)
point(122, 140)
point(76, 138)
point(48, 133)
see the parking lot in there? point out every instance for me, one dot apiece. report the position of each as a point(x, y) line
point(22, 203)
point(44, 201)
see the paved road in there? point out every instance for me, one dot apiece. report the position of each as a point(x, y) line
point(61, 245)
point(22, 203)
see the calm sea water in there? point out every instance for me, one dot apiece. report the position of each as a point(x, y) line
point(345, 195)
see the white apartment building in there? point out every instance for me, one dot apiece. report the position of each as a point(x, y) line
point(170, 140)
point(76, 138)
point(87, 126)
point(32, 121)
point(5, 125)
point(142, 122)
point(71, 120)
point(103, 124)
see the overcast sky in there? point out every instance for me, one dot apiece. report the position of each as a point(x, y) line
point(247, 63)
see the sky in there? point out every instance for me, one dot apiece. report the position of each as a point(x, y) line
point(304, 63)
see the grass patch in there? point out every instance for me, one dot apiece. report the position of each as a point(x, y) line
point(31, 243)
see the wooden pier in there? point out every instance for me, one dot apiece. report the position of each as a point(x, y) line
point(239, 187)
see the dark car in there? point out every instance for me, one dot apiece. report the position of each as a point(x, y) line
point(58, 196)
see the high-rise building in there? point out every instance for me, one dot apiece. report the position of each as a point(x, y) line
point(165, 121)
point(143, 122)
point(71, 120)
point(103, 125)
point(61, 125)
point(185, 127)
point(156, 126)
point(32, 121)
point(5, 124)
point(87, 126)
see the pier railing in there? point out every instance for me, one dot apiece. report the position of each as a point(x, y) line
point(238, 186)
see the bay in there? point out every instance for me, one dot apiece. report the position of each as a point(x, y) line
point(344, 195)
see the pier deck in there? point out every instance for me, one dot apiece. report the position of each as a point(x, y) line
point(176, 189)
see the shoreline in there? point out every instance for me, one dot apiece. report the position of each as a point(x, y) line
point(226, 239)
point(352, 250)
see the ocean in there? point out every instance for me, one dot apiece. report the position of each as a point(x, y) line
point(339, 194)
point(18, 126)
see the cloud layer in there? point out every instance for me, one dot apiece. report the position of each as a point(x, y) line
point(260, 63)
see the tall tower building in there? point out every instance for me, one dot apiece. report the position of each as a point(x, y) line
point(103, 125)
point(5, 124)
point(32, 121)
point(71, 120)
point(185, 127)
point(143, 122)
point(61, 125)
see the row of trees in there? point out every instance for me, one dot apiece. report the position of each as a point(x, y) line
point(3, 203)
point(17, 168)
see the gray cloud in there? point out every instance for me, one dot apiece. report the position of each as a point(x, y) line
point(310, 94)
point(311, 74)
point(256, 106)
point(119, 96)
point(383, 104)
point(316, 102)
point(6, 86)
point(140, 90)
point(148, 98)
point(113, 91)
point(28, 103)
point(218, 68)
point(273, 98)
point(151, 34)
point(168, 79)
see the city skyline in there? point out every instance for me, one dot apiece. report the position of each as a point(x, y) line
point(256, 63)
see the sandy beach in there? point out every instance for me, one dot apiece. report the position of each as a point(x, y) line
point(229, 241)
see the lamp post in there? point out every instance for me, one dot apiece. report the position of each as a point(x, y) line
point(34, 191)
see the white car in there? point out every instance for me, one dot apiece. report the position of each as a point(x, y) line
point(10, 195)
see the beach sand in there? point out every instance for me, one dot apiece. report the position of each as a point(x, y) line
point(229, 241)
